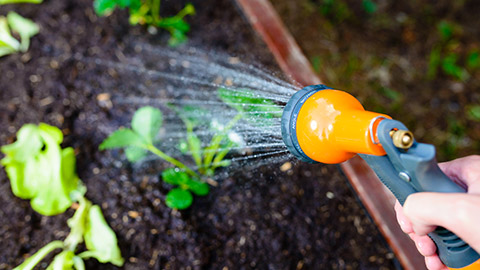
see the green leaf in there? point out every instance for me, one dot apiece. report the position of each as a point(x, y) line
point(179, 198)
point(31, 262)
point(174, 23)
point(123, 137)
point(473, 112)
point(100, 239)
point(77, 223)
point(24, 27)
point(473, 59)
point(260, 111)
point(134, 5)
point(104, 7)
point(123, 3)
point(46, 176)
point(146, 122)
point(8, 44)
point(189, 9)
point(135, 154)
point(445, 29)
point(53, 191)
point(177, 37)
point(68, 168)
point(369, 6)
point(198, 187)
point(28, 143)
point(4, 2)
point(450, 67)
point(195, 146)
point(175, 176)
point(63, 261)
point(52, 132)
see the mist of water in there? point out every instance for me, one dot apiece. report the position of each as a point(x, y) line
point(164, 78)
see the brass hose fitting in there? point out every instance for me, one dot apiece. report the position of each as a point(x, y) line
point(402, 139)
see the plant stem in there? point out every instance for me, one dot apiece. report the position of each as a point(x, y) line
point(219, 157)
point(193, 146)
point(156, 11)
point(158, 152)
point(39, 255)
point(217, 139)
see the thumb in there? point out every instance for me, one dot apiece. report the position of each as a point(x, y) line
point(456, 212)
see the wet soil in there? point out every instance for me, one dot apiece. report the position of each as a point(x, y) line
point(306, 217)
point(414, 61)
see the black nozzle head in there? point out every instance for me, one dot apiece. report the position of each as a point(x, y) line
point(289, 120)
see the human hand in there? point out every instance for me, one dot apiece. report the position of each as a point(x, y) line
point(457, 212)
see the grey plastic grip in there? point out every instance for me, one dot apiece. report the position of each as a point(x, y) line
point(416, 170)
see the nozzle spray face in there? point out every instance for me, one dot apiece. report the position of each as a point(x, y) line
point(320, 124)
point(289, 120)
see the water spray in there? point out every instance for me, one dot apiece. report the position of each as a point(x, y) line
point(320, 124)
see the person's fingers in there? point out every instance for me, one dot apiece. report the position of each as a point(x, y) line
point(457, 212)
point(464, 171)
point(434, 263)
point(426, 247)
point(404, 223)
point(424, 244)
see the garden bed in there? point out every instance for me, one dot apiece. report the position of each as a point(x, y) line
point(305, 217)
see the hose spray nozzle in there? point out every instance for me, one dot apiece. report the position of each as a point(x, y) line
point(320, 124)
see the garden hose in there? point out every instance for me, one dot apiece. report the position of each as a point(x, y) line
point(320, 124)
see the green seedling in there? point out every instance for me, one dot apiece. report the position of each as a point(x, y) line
point(41, 171)
point(25, 28)
point(141, 137)
point(445, 55)
point(147, 121)
point(207, 158)
point(147, 12)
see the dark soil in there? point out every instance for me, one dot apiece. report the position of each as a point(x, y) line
point(265, 219)
point(384, 59)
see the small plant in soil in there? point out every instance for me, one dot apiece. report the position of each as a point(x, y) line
point(42, 172)
point(141, 138)
point(147, 12)
point(23, 27)
point(450, 56)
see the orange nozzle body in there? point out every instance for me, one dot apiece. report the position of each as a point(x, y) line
point(331, 126)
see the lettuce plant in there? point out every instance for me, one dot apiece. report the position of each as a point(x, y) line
point(25, 28)
point(42, 172)
point(147, 12)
